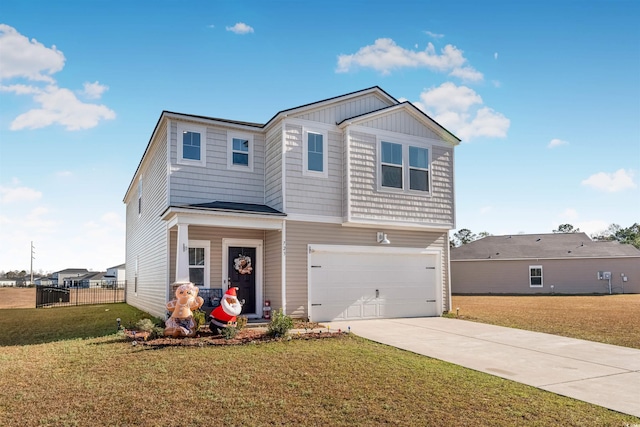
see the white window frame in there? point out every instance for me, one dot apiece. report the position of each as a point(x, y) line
point(202, 130)
point(541, 277)
point(139, 197)
point(325, 153)
point(406, 167)
point(206, 245)
point(238, 135)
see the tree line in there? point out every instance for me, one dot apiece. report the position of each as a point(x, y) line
point(616, 233)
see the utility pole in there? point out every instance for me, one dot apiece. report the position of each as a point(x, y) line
point(32, 258)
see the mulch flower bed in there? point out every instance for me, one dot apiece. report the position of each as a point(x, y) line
point(206, 338)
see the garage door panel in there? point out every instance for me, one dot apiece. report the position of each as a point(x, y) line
point(344, 284)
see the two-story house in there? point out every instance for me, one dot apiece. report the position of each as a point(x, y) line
point(338, 209)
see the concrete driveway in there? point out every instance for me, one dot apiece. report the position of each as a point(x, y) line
point(602, 374)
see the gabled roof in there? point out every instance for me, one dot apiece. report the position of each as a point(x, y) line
point(545, 246)
point(72, 271)
point(411, 109)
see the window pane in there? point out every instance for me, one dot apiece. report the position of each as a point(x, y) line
point(240, 145)
point(315, 142)
point(391, 153)
point(196, 256)
point(418, 157)
point(192, 153)
point(240, 159)
point(315, 162)
point(391, 176)
point(418, 180)
point(536, 280)
point(196, 276)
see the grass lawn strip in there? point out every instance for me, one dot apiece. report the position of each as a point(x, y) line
point(341, 381)
point(610, 319)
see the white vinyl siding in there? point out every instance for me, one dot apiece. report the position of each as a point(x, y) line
point(368, 202)
point(300, 234)
point(146, 243)
point(307, 194)
point(336, 113)
point(190, 185)
point(401, 122)
point(273, 172)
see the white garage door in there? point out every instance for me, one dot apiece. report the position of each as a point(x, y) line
point(347, 282)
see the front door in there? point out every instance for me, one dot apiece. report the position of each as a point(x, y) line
point(242, 275)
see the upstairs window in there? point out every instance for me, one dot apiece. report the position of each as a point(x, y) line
point(240, 149)
point(418, 169)
point(315, 156)
point(191, 145)
point(403, 167)
point(391, 161)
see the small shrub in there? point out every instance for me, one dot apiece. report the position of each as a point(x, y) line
point(229, 332)
point(145, 325)
point(280, 324)
point(199, 318)
point(241, 322)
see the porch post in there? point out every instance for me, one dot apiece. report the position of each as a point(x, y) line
point(182, 254)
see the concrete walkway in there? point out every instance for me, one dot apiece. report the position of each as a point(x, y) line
point(602, 374)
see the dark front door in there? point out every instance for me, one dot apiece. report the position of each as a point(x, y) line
point(242, 275)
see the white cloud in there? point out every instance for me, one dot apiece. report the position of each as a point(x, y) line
point(385, 55)
point(485, 210)
point(434, 35)
point(555, 142)
point(620, 180)
point(460, 109)
point(240, 28)
point(496, 83)
point(590, 227)
point(18, 194)
point(94, 90)
point(211, 26)
point(26, 58)
point(60, 106)
point(569, 213)
point(495, 55)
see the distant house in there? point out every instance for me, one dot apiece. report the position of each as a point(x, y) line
point(338, 209)
point(8, 283)
point(115, 275)
point(58, 278)
point(92, 279)
point(564, 263)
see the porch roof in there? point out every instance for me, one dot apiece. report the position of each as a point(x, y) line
point(235, 207)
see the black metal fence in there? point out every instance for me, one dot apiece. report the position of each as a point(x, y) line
point(60, 296)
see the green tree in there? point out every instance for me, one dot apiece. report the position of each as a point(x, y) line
point(462, 237)
point(629, 235)
point(566, 228)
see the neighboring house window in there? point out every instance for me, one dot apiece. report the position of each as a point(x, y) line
point(135, 278)
point(393, 173)
point(391, 165)
point(535, 276)
point(315, 153)
point(140, 197)
point(199, 262)
point(240, 149)
point(192, 145)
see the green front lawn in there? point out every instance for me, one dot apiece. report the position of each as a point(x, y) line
point(330, 382)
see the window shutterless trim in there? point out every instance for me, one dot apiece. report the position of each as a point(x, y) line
point(187, 127)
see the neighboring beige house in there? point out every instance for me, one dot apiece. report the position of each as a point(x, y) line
point(115, 276)
point(58, 278)
point(563, 263)
point(338, 209)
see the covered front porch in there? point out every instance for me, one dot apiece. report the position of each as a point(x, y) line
point(221, 245)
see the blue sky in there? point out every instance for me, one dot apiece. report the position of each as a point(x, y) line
point(544, 94)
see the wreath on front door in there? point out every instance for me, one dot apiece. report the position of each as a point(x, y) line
point(242, 264)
